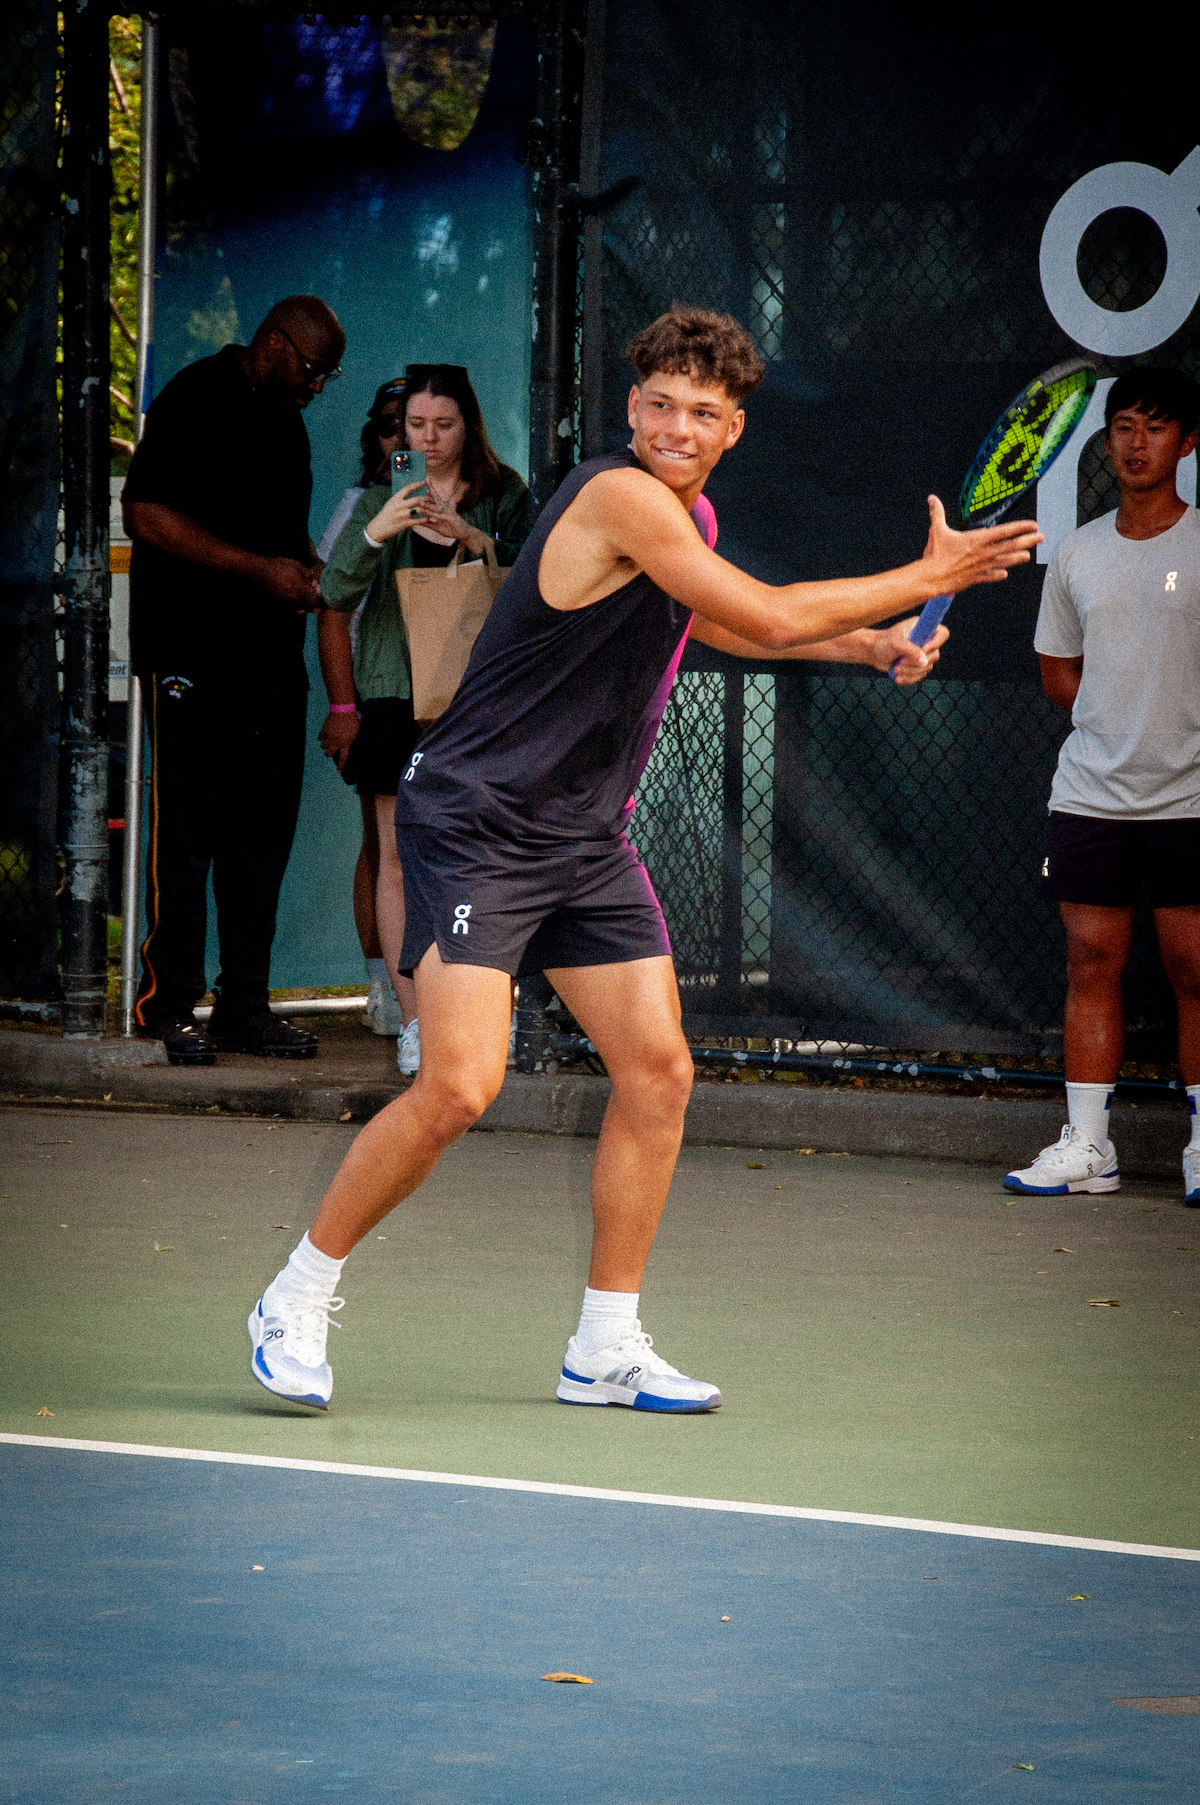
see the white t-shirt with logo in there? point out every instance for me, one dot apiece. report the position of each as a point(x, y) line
point(1131, 607)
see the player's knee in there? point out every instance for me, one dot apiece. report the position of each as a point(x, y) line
point(663, 1077)
point(454, 1103)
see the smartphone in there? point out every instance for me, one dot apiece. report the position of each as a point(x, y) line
point(407, 467)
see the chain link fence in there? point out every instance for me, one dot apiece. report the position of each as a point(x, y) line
point(28, 502)
point(841, 862)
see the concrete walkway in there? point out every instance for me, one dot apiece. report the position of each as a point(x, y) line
point(354, 1075)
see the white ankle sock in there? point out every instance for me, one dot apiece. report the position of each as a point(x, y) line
point(605, 1317)
point(1087, 1109)
point(377, 971)
point(308, 1270)
point(1193, 1091)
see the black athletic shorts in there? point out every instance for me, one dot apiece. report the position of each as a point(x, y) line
point(387, 733)
point(1118, 864)
point(524, 909)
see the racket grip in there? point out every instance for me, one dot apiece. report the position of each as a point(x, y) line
point(929, 620)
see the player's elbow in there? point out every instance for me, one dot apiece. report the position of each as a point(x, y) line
point(777, 632)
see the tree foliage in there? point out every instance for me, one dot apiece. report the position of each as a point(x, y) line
point(124, 129)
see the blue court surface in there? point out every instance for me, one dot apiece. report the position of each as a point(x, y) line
point(195, 1631)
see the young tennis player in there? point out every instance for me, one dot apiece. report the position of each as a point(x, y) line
point(1118, 636)
point(511, 819)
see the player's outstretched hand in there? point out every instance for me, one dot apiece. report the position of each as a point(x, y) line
point(982, 555)
point(894, 651)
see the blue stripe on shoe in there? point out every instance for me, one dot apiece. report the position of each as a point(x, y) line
point(1014, 1184)
point(261, 1364)
point(1192, 1200)
point(646, 1401)
point(578, 1377)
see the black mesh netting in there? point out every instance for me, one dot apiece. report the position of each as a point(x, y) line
point(868, 197)
point(28, 500)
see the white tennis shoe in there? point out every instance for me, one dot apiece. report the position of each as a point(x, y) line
point(1072, 1164)
point(408, 1051)
point(287, 1339)
point(630, 1372)
point(1191, 1177)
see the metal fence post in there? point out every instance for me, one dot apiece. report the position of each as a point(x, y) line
point(84, 916)
point(131, 888)
point(554, 155)
point(728, 998)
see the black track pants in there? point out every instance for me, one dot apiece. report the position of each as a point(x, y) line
point(225, 793)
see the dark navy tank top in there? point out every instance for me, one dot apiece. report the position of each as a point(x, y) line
point(553, 723)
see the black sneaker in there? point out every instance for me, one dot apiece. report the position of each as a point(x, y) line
point(185, 1040)
point(267, 1035)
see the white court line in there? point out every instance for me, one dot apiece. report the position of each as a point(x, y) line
point(548, 1489)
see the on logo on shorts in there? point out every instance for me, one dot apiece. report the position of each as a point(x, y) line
point(1172, 578)
point(461, 912)
point(416, 759)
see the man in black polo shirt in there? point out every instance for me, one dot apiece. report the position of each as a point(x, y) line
point(222, 578)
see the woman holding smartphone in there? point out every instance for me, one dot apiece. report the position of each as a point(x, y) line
point(468, 498)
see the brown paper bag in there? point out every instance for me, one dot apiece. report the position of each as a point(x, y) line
point(443, 610)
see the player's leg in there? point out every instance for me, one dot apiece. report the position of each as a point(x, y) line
point(465, 1013)
point(1179, 946)
point(382, 1014)
point(630, 1012)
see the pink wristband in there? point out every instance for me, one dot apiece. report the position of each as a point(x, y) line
point(343, 708)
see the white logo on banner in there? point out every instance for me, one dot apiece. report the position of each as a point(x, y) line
point(1171, 201)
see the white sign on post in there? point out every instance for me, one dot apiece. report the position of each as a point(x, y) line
point(1171, 201)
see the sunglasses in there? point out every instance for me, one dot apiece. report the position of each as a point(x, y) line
point(312, 371)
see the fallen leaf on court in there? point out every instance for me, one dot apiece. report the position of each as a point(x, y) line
point(345, 1116)
point(1026, 1766)
point(839, 1156)
point(1043, 1272)
point(726, 1620)
point(108, 1096)
point(165, 1248)
point(258, 1569)
point(806, 1150)
point(64, 1225)
point(1011, 1204)
point(569, 1679)
point(1105, 1303)
point(274, 1171)
point(383, 1237)
point(754, 1165)
point(1178, 1312)
point(1153, 1212)
point(44, 1412)
point(1080, 1598)
point(281, 1225)
point(1064, 1250)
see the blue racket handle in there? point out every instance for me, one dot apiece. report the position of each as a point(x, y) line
point(929, 620)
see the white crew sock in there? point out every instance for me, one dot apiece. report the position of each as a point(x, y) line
point(1087, 1109)
point(308, 1272)
point(1193, 1093)
point(606, 1316)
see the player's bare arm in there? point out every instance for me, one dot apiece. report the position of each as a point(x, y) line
point(627, 520)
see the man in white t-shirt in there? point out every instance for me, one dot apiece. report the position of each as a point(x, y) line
point(1118, 637)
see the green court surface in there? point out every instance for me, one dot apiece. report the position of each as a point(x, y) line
point(890, 1337)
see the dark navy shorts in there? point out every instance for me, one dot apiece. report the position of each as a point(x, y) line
point(522, 909)
point(1118, 864)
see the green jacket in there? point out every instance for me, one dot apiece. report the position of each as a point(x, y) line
point(355, 569)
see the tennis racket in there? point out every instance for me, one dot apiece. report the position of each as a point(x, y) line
point(1017, 453)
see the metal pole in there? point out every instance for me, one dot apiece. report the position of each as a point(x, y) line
point(84, 917)
point(131, 888)
point(554, 155)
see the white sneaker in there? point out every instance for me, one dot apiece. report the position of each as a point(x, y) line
point(630, 1372)
point(1073, 1164)
point(1191, 1176)
point(288, 1339)
point(408, 1052)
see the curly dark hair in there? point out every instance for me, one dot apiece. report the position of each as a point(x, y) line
point(692, 341)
